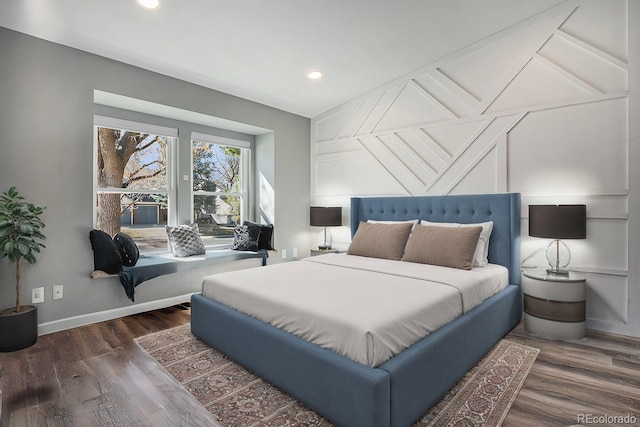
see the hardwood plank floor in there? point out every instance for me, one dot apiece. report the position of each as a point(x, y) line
point(97, 376)
point(573, 382)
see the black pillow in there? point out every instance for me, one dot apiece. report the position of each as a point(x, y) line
point(106, 256)
point(128, 249)
point(245, 238)
point(265, 240)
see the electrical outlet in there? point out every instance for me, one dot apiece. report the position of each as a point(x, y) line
point(37, 295)
point(284, 253)
point(58, 291)
point(294, 252)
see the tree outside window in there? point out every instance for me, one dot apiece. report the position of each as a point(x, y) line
point(132, 185)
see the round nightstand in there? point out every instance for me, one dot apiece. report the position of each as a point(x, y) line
point(554, 305)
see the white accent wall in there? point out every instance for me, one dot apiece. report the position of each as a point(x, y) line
point(541, 108)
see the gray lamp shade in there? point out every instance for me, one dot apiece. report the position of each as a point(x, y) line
point(558, 221)
point(325, 216)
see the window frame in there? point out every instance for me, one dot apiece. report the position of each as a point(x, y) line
point(245, 177)
point(170, 133)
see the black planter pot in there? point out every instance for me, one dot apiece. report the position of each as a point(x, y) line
point(19, 330)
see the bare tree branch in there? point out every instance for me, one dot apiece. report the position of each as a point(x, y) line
point(141, 177)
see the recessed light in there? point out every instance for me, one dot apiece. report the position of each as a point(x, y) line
point(149, 4)
point(314, 75)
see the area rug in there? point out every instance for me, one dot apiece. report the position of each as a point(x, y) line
point(238, 398)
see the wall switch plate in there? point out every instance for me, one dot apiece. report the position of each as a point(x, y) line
point(58, 291)
point(37, 295)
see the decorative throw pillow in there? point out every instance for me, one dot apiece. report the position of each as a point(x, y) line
point(379, 240)
point(265, 240)
point(245, 238)
point(128, 249)
point(106, 256)
point(444, 246)
point(481, 255)
point(184, 240)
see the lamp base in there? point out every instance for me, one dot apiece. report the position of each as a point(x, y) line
point(558, 256)
point(557, 272)
point(325, 240)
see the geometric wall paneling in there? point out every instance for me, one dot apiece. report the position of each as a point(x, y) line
point(607, 300)
point(413, 106)
point(410, 162)
point(378, 109)
point(595, 68)
point(605, 249)
point(577, 149)
point(482, 178)
point(333, 147)
point(354, 126)
point(330, 127)
point(441, 91)
point(429, 151)
point(386, 153)
point(456, 136)
point(352, 173)
point(601, 24)
point(480, 71)
point(538, 83)
point(472, 154)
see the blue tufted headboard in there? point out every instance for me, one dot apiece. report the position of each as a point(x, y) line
point(503, 209)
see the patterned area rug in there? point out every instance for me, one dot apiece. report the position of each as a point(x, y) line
point(236, 397)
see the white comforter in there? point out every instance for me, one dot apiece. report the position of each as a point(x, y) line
point(367, 309)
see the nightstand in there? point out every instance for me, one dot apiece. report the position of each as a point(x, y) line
point(554, 305)
point(315, 252)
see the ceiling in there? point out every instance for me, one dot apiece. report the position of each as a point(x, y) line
point(262, 50)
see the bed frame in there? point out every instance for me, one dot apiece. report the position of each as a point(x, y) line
point(401, 390)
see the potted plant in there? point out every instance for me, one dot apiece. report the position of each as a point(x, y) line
point(20, 239)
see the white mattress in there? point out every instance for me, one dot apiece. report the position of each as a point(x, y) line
point(367, 309)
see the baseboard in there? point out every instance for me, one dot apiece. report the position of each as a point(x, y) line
point(101, 316)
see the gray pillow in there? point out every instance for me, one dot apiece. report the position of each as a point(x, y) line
point(184, 240)
point(444, 246)
point(379, 240)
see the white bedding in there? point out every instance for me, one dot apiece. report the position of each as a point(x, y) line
point(367, 309)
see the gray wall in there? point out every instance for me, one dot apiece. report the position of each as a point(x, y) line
point(46, 151)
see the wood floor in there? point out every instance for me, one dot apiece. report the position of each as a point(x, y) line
point(97, 376)
point(575, 382)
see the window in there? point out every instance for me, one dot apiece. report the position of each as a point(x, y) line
point(140, 186)
point(220, 178)
point(133, 180)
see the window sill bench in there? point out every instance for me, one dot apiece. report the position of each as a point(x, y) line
point(159, 264)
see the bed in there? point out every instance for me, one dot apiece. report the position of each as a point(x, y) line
point(399, 390)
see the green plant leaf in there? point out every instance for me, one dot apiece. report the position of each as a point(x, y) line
point(20, 224)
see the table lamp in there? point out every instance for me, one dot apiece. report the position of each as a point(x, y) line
point(558, 222)
point(325, 217)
